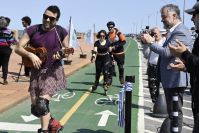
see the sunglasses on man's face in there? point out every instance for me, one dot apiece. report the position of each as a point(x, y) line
point(110, 27)
point(46, 17)
point(101, 36)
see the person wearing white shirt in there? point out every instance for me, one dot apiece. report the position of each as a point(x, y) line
point(153, 58)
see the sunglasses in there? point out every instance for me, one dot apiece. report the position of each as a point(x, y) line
point(101, 36)
point(110, 27)
point(46, 17)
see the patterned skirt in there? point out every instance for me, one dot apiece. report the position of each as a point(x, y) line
point(47, 81)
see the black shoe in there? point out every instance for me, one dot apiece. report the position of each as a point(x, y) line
point(43, 131)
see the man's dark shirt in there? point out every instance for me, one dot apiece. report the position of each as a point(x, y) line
point(192, 65)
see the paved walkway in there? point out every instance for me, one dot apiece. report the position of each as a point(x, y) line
point(16, 92)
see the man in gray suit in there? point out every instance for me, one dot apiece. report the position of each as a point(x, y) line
point(172, 82)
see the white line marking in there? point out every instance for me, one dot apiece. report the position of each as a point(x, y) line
point(147, 131)
point(141, 124)
point(29, 118)
point(188, 117)
point(19, 127)
point(186, 108)
point(161, 121)
point(186, 101)
point(183, 100)
point(182, 107)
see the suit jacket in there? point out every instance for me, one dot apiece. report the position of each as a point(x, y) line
point(164, 73)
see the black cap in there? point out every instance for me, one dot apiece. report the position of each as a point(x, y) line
point(194, 8)
point(110, 23)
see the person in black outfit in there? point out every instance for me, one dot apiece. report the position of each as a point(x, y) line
point(102, 59)
point(190, 61)
point(6, 38)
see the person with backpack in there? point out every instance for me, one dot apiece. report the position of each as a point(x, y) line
point(48, 77)
point(26, 22)
point(6, 38)
point(117, 40)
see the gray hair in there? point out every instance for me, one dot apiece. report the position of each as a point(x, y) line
point(155, 27)
point(173, 9)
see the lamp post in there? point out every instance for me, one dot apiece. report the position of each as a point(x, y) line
point(136, 28)
point(141, 24)
point(133, 27)
point(184, 12)
point(148, 17)
point(156, 15)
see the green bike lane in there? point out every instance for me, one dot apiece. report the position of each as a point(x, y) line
point(79, 110)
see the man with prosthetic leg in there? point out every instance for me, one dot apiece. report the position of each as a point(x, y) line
point(48, 77)
point(117, 40)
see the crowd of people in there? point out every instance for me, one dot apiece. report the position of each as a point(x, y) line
point(6, 40)
point(171, 60)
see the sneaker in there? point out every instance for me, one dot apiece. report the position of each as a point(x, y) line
point(94, 87)
point(55, 126)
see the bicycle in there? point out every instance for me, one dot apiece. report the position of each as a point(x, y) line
point(104, 101)
point(63, 96)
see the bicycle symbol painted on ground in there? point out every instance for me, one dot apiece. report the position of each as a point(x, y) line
point(67, 95)
point(104, 101)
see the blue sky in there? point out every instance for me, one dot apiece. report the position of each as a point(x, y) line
point(87, 12)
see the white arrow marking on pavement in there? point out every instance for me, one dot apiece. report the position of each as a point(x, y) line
point(105, 114)
point(19, 127)
point(29, 118)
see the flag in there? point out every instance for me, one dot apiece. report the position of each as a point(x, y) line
point(73, 41)
point(121, 118)
point(89, 35)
